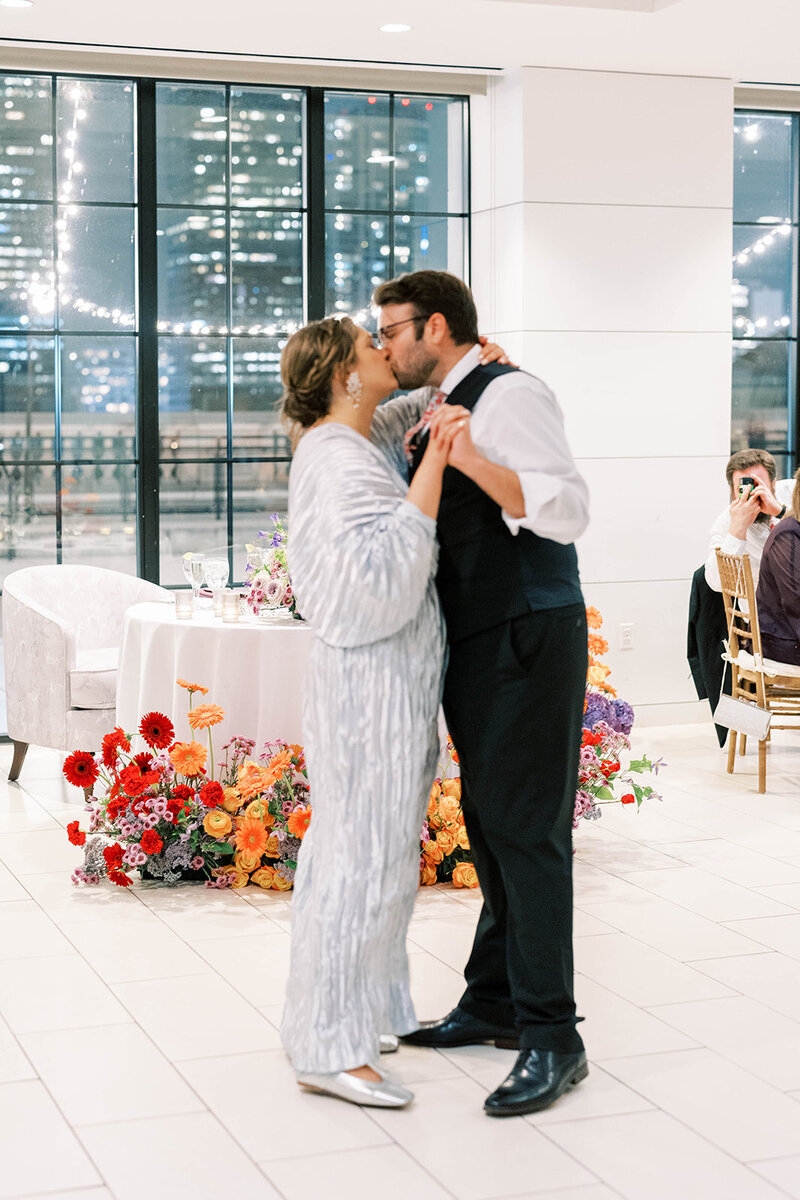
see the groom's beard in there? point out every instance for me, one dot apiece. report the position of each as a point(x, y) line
point(417, 368)
point(763, 519)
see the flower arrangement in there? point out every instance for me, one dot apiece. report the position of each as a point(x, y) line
point(268, 582)
point(445, 854)
point(164, 813)
point(607, 721)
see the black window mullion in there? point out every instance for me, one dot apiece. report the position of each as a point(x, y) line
point(229, 341)
point(147, 444)
point(56, 323)
point(315, 203)
point(392, 263)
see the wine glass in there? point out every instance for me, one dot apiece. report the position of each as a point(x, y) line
point(197, 571)
point(217, 571)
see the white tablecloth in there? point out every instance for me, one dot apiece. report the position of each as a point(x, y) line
point(255, 672)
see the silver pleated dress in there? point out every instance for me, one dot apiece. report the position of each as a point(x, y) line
point(362, 560)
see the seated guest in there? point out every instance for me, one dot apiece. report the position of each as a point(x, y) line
point(778, 592)
point(757, 502)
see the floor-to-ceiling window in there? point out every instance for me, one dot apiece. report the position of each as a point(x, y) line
point(159, 241)
point(765, 272)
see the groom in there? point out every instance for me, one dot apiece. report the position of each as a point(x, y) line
point(512, 505)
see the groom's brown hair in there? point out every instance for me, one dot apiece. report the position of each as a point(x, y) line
point(434, 292)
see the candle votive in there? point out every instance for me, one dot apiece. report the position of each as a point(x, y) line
point(219, 596)
point(230, 606)
point(184, 605)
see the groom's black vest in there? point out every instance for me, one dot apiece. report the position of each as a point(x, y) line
point(487, 574)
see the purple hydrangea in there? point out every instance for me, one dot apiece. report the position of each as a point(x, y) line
point(598, 708)
point(622, 718)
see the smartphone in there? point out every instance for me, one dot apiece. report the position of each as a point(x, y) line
point(747, 484)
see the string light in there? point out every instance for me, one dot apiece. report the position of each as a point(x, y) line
point(764, 242)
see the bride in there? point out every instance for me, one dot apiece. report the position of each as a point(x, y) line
point(363, 555)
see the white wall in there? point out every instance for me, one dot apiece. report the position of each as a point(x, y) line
point(601, 258)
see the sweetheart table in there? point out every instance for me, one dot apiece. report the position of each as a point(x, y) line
point(256, 672)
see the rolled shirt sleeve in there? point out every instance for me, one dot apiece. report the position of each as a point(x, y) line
point(518, 423)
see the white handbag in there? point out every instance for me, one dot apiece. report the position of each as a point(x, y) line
point(745, 716)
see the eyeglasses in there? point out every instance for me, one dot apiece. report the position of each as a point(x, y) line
point(383, 340)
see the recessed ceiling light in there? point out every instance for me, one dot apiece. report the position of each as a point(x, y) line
point(16, 3)
point(395, 28)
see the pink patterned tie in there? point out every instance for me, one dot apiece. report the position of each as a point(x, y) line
point(411, 438)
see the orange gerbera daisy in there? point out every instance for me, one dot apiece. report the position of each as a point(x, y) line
point(597, 644)
point(252, 779)
point(299, 822)
point(192, 687)
point(206, 715)
point(280, 762)
point(593, 618)
point(251, 837)
point(188, 758)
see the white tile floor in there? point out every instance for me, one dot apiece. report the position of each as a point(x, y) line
point(139, 1052)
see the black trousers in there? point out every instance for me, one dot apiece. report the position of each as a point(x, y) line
point(513, 701)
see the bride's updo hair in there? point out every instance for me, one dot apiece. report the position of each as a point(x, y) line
point(309, 362)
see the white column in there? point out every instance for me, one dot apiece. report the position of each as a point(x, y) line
point(601, 252)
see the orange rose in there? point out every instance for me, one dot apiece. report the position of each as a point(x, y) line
point(273, 847)
point(245, 861)
point(449, 811)
point(452, 787)
point(259, 811)
point(462, 838)
point(446, 840)
point(263, 877)
point(231, 800)
point(217, 824)
point(280, 884)
point(465, 875)
point(435, 792)
point(427, 874)
point(433, 852)
point(596, 675)
point(240, 879)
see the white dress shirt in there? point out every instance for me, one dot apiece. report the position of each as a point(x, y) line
point(753, 543)
point(517, 423)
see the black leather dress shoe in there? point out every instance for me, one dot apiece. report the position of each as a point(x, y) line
point(537, 1079)
point(460, 1029)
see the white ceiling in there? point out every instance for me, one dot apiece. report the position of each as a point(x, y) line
point(746, 40)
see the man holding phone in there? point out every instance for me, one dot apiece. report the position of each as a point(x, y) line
point(758, 500)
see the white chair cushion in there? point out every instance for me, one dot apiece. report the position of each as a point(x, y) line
point(746, 662)
point(93, 680)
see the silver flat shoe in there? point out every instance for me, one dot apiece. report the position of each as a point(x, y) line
point(389, 1043)
point(372, 1093)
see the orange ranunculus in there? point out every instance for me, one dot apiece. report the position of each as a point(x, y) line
point(433, 852)
point(427, 874)
point(593, 618)
point(192, 687)
point(251, 837)
point(253, 779)
point(263, 877)
point(597, 644)
point(206, 715)
point(452, 787)
point(217, 824)
point(462, 838)
point(246, 862)
point(280, 884)
point(188, 758)
point(259, 810)
point(299, 822)
point(231, 800)
point(447, 840)
point(273, 847)
point(280, 762)
point(465, 875)
point(596, 675)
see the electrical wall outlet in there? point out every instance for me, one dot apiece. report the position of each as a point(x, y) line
point(626, 637)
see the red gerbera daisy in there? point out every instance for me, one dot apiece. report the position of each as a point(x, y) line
point(113, 857)
point(74, 833)
point(112, 743)
point(120, 878)
point(144, 761)
point(80, 769)
point(157, 730)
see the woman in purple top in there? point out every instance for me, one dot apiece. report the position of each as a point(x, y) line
point(778, 592)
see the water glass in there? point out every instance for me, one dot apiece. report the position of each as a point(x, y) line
point(217, 572)
point(197, 570)
point(184, 605)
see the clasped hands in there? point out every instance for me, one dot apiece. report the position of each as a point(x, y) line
point(450, 435)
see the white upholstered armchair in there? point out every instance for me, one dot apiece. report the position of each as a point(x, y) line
point(62, 632)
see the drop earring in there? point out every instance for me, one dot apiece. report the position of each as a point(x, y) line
point(354, 388)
